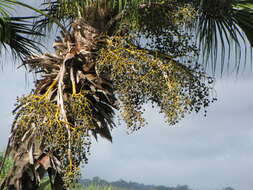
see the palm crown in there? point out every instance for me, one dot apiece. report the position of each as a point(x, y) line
point(110, 55)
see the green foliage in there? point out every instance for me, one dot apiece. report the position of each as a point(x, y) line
point(96, 187)
point(16, 32)
point(124, 185)
point(224, 28)
point(5, 167)
point(45, 185)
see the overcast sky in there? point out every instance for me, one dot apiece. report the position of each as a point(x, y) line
point(206, 153)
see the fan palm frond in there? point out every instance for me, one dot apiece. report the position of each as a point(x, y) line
point(14, 32)
point(221, 24)
point(17, 33)
point(244, 19)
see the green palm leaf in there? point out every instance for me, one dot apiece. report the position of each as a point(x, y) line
point(14, 32)
point(220, 24)
point(244, 19)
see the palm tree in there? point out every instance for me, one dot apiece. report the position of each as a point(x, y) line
point(110, 55)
